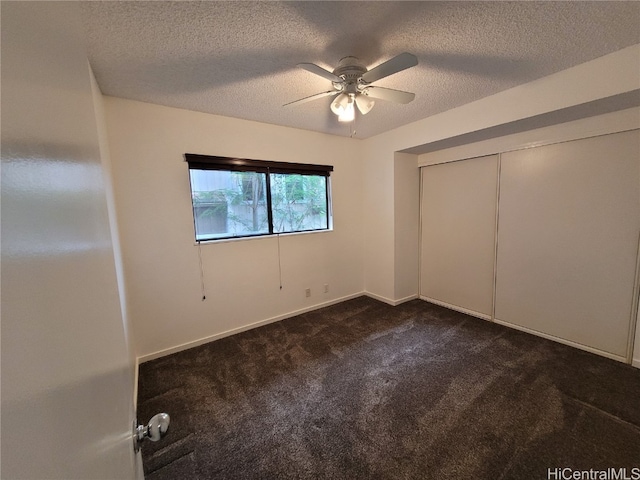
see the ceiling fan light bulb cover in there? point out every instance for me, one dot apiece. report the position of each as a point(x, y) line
point(339, 104)
point(364, 104)
point(349, 113)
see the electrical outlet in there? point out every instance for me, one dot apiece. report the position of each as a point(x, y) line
point(307, 292)
point(326, 288)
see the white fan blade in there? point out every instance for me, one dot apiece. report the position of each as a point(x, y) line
point(397, 96)
point(394, 65)
point(312, 97)
point(313, 68)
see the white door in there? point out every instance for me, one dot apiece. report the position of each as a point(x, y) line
point(568, 240)
point(458, 234)
point(67, 374)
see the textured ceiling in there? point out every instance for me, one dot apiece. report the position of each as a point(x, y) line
point(238, 59)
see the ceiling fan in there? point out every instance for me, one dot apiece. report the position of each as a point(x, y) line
point(352, 85)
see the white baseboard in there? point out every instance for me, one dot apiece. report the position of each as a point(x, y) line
point(586, 348)
point(388, 301)
point(636, 362)
point(406, 299)
point(244, 328)
point(473, 313)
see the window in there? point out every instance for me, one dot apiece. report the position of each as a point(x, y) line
point(235, 197)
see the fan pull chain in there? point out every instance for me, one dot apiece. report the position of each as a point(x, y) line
point(279, 263)
point(201, 271)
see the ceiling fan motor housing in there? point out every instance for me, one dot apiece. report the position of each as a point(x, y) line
point(350, 69)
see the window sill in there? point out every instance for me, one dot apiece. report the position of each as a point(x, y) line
point(259, 237)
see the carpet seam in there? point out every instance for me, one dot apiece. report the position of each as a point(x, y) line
point(604, 412)
point(191, 452)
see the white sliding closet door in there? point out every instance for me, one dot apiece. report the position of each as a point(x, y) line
point(458, 213)
point(568, 228)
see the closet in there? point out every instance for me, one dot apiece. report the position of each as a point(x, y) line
point(543, 239)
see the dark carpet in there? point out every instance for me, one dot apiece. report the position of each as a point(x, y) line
point(363, 390)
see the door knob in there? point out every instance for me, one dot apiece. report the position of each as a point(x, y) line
point(154, 430)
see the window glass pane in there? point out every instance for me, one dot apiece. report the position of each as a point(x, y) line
point(228, 204)
point(298, 202)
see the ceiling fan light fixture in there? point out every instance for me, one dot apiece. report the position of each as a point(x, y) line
point(352, 81)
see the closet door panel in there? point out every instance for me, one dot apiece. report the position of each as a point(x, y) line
point(569, 218)
point(458, 234)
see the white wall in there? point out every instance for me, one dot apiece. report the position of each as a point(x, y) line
point(379, 227)
point(103, 145)
point(147, 143)
point(406, 177)
point(67, 399)
point(391, 226)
